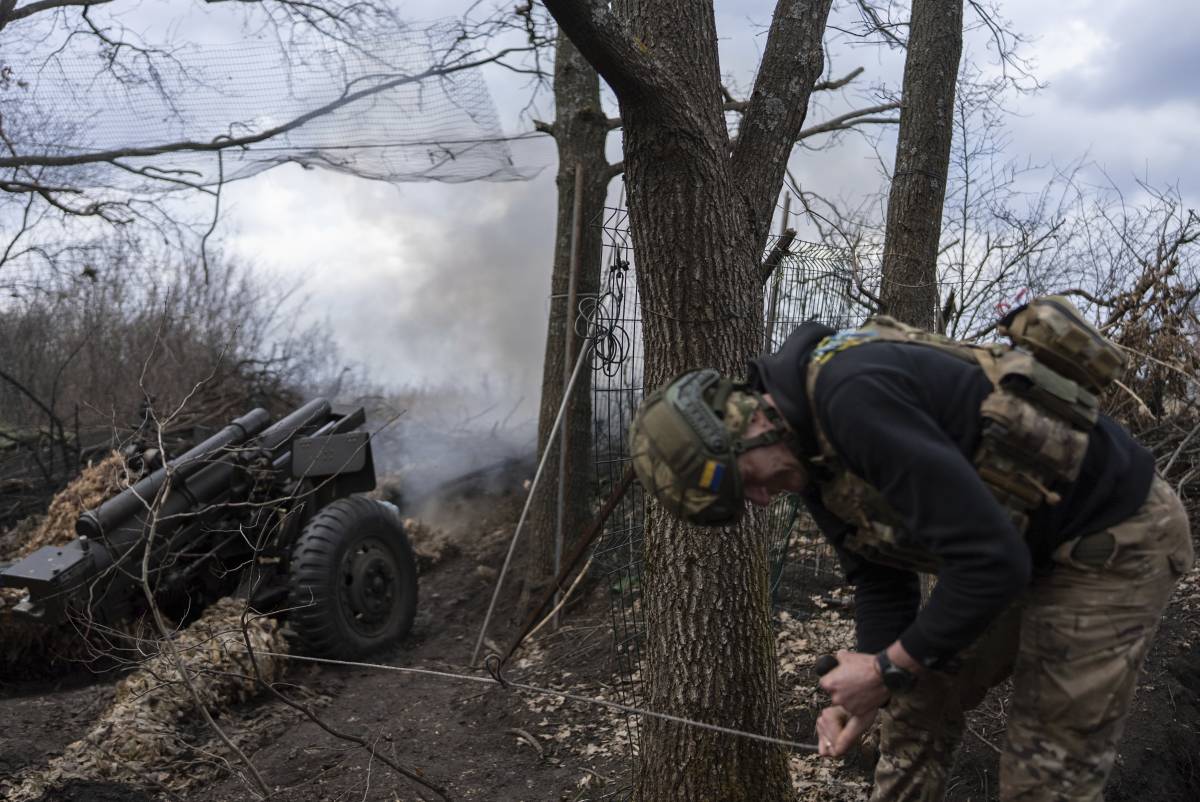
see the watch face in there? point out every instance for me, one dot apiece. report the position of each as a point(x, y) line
point(897, 679)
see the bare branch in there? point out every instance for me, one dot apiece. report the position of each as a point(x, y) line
point(826, 86)
point(783, 247)
point(624, 61)
point(791, 64)
point(884, 29)
point(851, 119)
point(9, 14)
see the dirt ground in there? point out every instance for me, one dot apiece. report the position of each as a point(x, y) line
point(476, 741)
point(484, 743)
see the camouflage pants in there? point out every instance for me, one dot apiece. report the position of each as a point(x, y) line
point(1073, 643)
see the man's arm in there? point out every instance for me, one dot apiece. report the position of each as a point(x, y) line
point(886, 599)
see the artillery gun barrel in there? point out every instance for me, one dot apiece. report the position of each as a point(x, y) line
point(213, 483)
point(123, 506)
point(219, 472)
point(281, 433)
point(207, 476)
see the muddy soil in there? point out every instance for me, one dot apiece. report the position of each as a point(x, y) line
point(37, 720)
point(461, 736)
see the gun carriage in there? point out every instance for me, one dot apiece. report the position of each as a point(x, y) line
point(270, 512)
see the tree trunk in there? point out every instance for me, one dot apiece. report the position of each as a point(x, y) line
point(709, 650)
point(580, 130)
point(914, 219)
point(699, 212)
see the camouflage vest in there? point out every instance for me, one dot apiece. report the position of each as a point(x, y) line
point(1034, 435)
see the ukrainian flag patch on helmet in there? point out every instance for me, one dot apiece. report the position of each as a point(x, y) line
point(710, 477)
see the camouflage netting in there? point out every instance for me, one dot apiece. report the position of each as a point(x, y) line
point(95, 484)
point(419, 115)
point(28, 646)
point(153, 728)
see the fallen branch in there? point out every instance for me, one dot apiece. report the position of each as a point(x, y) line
point(527, 738)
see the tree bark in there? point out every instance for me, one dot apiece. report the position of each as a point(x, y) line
point(699, 216)
point(580, 130)
point(914, 218)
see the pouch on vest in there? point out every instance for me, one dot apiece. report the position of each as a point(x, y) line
point(1058, 335)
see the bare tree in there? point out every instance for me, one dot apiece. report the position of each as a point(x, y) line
point(909, 289)
point(76, 354)
point(997, 239)
point(580, 131)
point(700, 208)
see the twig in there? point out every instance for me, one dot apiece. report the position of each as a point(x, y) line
point(169, 643)
point(1187, 478)
point(1190, 377)
point(1178, 450)
point(782, 248)
point(994, 748)
point(1135, 397)
point(564, 598)
point(528, 738)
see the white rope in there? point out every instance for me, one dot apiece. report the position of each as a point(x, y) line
point(573, 697)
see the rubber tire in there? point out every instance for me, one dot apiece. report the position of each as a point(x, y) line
point(319, 614)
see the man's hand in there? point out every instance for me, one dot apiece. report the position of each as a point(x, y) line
point(837, 730)
point(855, 684)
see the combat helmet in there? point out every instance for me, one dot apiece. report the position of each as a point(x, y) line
point(685, 441)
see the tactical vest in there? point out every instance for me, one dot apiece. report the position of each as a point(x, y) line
point(1034, 425)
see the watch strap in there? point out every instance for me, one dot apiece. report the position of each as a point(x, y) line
point(895, 678)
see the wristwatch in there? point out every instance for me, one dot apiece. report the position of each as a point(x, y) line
point(895, 678)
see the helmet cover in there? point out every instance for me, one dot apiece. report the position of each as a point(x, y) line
point(685, 440)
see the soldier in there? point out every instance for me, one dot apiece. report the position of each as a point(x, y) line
point(1055, 545)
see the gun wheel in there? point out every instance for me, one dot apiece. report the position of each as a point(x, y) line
point(353, 586)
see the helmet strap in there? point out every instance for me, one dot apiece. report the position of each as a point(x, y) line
point(779, 432)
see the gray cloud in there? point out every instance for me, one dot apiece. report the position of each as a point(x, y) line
point(1152, 59)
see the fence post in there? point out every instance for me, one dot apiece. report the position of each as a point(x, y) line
point(776, 280)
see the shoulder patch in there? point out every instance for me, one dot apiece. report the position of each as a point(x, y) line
point(840, 342)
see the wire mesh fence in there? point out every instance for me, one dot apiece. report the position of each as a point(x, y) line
point(813, 282)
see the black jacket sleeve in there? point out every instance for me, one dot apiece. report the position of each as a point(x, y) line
point(881, 425)
point(886, 599)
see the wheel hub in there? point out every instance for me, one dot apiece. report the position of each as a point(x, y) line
point(370, 586)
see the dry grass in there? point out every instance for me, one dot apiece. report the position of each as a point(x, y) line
point(148, 736)
point(93, 486)
point(32, 648)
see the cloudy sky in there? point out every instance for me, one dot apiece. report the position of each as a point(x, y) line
point(430, 284)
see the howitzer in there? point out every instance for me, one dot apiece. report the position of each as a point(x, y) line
point(269, 512)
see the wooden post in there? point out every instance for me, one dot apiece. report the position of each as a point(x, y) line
point(568, 349)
